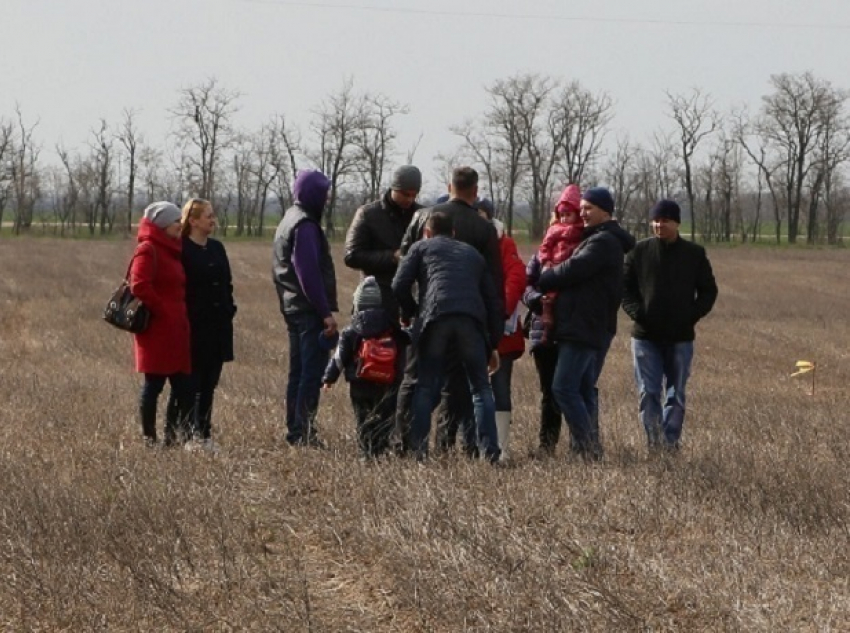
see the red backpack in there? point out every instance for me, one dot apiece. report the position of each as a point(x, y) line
point(376, 359)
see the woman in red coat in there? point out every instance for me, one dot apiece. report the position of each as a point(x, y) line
point(512, 344)
point(163, 350)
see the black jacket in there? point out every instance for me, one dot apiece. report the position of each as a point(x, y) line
point(375, 234)
point(668, 287)
point(209, 301)
point(365, 324)
point(289, 291)
point(452, 279)
point(590, 286)
point(469, 228)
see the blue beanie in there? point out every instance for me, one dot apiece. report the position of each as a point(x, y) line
point(486, 205)
point(666, 209)
point(600, 197)
point(443, 198)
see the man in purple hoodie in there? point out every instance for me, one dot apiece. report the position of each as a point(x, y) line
point(304, 278)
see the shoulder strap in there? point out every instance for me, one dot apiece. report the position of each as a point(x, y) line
point(136, 254)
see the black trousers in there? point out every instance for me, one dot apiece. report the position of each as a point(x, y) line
point(205, 376)
point(546, 361)
point(180, 412)
point(374, 409)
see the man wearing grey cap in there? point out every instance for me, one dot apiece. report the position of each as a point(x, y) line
point(374, 237)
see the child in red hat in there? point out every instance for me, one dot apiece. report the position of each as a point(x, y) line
point(562, 237)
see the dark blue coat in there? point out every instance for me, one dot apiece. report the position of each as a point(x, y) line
point(453, 278)
point(590, 286)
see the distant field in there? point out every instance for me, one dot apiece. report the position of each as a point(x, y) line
point(748, 529)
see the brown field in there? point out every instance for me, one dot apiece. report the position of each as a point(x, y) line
point(748, 529)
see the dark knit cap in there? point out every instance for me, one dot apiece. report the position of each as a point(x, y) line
point(486, 205)
point(667, 209)
point(600, 197)
point(407, 178)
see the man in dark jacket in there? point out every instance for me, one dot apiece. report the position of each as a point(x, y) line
point(456, 410)
point(374, 238)
point(589, 286)
point(458, 309)
point(668, 287)
point(304, 278)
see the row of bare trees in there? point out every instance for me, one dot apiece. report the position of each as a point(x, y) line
point(734, 172)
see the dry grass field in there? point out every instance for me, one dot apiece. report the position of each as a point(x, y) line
point(748, 529)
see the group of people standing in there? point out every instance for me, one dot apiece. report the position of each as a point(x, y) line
point(436, 318)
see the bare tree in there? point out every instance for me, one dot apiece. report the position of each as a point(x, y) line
point(130, 138)
point(756, 147)
point(621, 172)
point(102, 157)
point(66, 190)
point(24, 174)
point(695, 116)
point(505, 123)
point(336, 124)
point(585, 117)
point(204, 113)
point(7, 151)
point(375, 141)
point(285, 145)
point(793, 122)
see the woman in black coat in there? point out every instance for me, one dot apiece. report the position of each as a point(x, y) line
point(209, 301)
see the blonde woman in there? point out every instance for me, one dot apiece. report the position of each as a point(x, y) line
point(209, 301)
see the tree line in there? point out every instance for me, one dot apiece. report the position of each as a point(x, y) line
point(735, 172)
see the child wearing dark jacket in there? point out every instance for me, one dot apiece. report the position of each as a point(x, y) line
point(373, 401)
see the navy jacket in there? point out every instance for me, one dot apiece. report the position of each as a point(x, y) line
point(590, 286)
point(453, 278)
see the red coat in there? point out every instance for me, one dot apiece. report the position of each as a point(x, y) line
point(514, 272)
point(158, 280)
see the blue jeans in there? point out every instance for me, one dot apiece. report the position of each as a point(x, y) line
point(463, 335)
point(574, 388)
point(662, 368)
point(307, 363)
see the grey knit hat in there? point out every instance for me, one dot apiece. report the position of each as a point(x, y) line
point(407, 178)
point(367, 296)
point(162, 214)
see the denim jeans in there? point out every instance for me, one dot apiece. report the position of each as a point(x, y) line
point(464, 336)
point(662, 368)
point(307, 363)
point(574, 388)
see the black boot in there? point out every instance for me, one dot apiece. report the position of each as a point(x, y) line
point(147, 416)
point(172, 419)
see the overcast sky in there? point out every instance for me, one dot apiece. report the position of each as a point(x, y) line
point(70, 62)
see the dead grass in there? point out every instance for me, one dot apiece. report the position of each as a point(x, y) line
point(746, 530)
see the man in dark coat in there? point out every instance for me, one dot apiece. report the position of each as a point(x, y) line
point(305, 280)
point(470, 228)
point(374, 238)
point(668, 287)
point(458, 309)
point(589, 286)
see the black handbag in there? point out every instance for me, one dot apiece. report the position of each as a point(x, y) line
point(124, 310)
